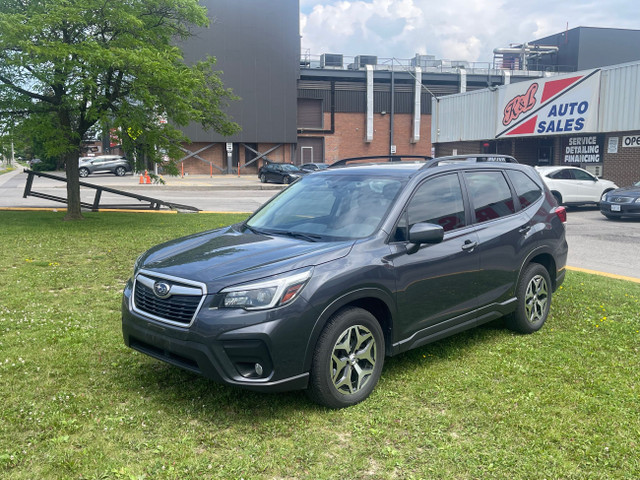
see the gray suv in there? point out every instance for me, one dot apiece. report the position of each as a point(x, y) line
point(348, 266)
point(115, 164)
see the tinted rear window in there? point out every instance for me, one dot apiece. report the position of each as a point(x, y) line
point(527, 190)
point(490, 195)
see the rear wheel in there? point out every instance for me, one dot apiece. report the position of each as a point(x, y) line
point(534, 300)
point(558, 197)
point(348, 359)
point(286, 180)
point(120, 171)
point(83, 172)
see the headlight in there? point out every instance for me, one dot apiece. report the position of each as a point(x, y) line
point(266, 294)
point(637, 200)
point(137, 264)
point(604, 197)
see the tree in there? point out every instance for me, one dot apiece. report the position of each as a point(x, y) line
point(69, 65)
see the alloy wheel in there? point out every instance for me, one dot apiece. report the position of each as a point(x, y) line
point(536, 299)
point(353, 359)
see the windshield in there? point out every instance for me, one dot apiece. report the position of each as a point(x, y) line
point(328, 207)
point(289, 168)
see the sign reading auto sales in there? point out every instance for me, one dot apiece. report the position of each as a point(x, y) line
point(561, 105)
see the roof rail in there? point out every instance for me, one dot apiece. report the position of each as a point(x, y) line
point(377, 159)
point(474, 157)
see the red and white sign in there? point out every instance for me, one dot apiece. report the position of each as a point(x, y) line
point(567, 104)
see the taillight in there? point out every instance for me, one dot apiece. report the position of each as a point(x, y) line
point(561, 212)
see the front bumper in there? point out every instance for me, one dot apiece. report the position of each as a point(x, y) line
point(259, 350)
point(612, 209)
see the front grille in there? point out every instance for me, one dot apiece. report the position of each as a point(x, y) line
point(178, 309)
point(622, 199)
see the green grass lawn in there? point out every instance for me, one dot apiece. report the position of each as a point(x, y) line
point(563, 403)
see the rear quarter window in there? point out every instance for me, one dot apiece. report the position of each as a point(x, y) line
point(490, 195)
point(526, 189)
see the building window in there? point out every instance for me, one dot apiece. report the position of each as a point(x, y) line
point(310, 113)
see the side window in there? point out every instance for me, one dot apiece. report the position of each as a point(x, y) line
point(564, 174)
point(439, 201)
point(527, 190)
point(580, 175)
point(490, 195)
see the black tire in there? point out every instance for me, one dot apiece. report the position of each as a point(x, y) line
point(286, 180)
point(263, 178)
point(347, 362)
point(120, 171)
point(83, 172)
point(534, 300)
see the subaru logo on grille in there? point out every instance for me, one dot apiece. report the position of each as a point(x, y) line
point(161, 289)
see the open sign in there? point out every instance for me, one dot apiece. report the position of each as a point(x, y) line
point(631, 141)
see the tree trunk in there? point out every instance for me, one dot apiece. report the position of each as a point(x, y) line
point(74, 211)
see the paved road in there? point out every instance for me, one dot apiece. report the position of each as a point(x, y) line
point(595, 243)
point(221, 193)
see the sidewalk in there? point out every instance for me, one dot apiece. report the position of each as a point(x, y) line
point(188, 182)
point(222, 182)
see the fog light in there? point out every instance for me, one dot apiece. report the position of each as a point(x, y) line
point(258, 369)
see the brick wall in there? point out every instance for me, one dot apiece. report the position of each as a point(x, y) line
point(350, 128)
point(623, 167)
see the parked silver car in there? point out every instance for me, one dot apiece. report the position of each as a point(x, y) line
point(115, 164)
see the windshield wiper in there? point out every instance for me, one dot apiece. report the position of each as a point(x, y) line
point(255, 230)
point(304, 236)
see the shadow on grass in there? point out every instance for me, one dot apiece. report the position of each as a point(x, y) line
point(218, 404)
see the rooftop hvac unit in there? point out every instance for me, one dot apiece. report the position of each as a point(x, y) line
point(361, 60)
point(425, 61)
point(459, 64)
point(331, 60)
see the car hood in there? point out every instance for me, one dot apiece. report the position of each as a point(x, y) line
point(234, 255)
point(632, 191)
point(608, 183)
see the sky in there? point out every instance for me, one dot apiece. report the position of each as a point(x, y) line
point(449, 29)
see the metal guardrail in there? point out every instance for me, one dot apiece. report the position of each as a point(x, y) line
point(151, 203)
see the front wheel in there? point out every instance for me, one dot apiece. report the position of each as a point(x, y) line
point(120, 171)
point(263, 178)
point(83, 172)
point(348, 359)
point(534, 300)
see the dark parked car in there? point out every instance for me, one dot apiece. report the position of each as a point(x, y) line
point(279, 173)
point(622, 202)
point(313, 167)
point(348, 266)
point(115, 164)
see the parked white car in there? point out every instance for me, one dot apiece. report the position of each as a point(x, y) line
point(574, 186)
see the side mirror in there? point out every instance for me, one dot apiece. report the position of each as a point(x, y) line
point(424, 233)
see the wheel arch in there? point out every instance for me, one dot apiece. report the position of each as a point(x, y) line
point(375, 301)
point(546, 260)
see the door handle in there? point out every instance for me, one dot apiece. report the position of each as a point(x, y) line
point(468, 245)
